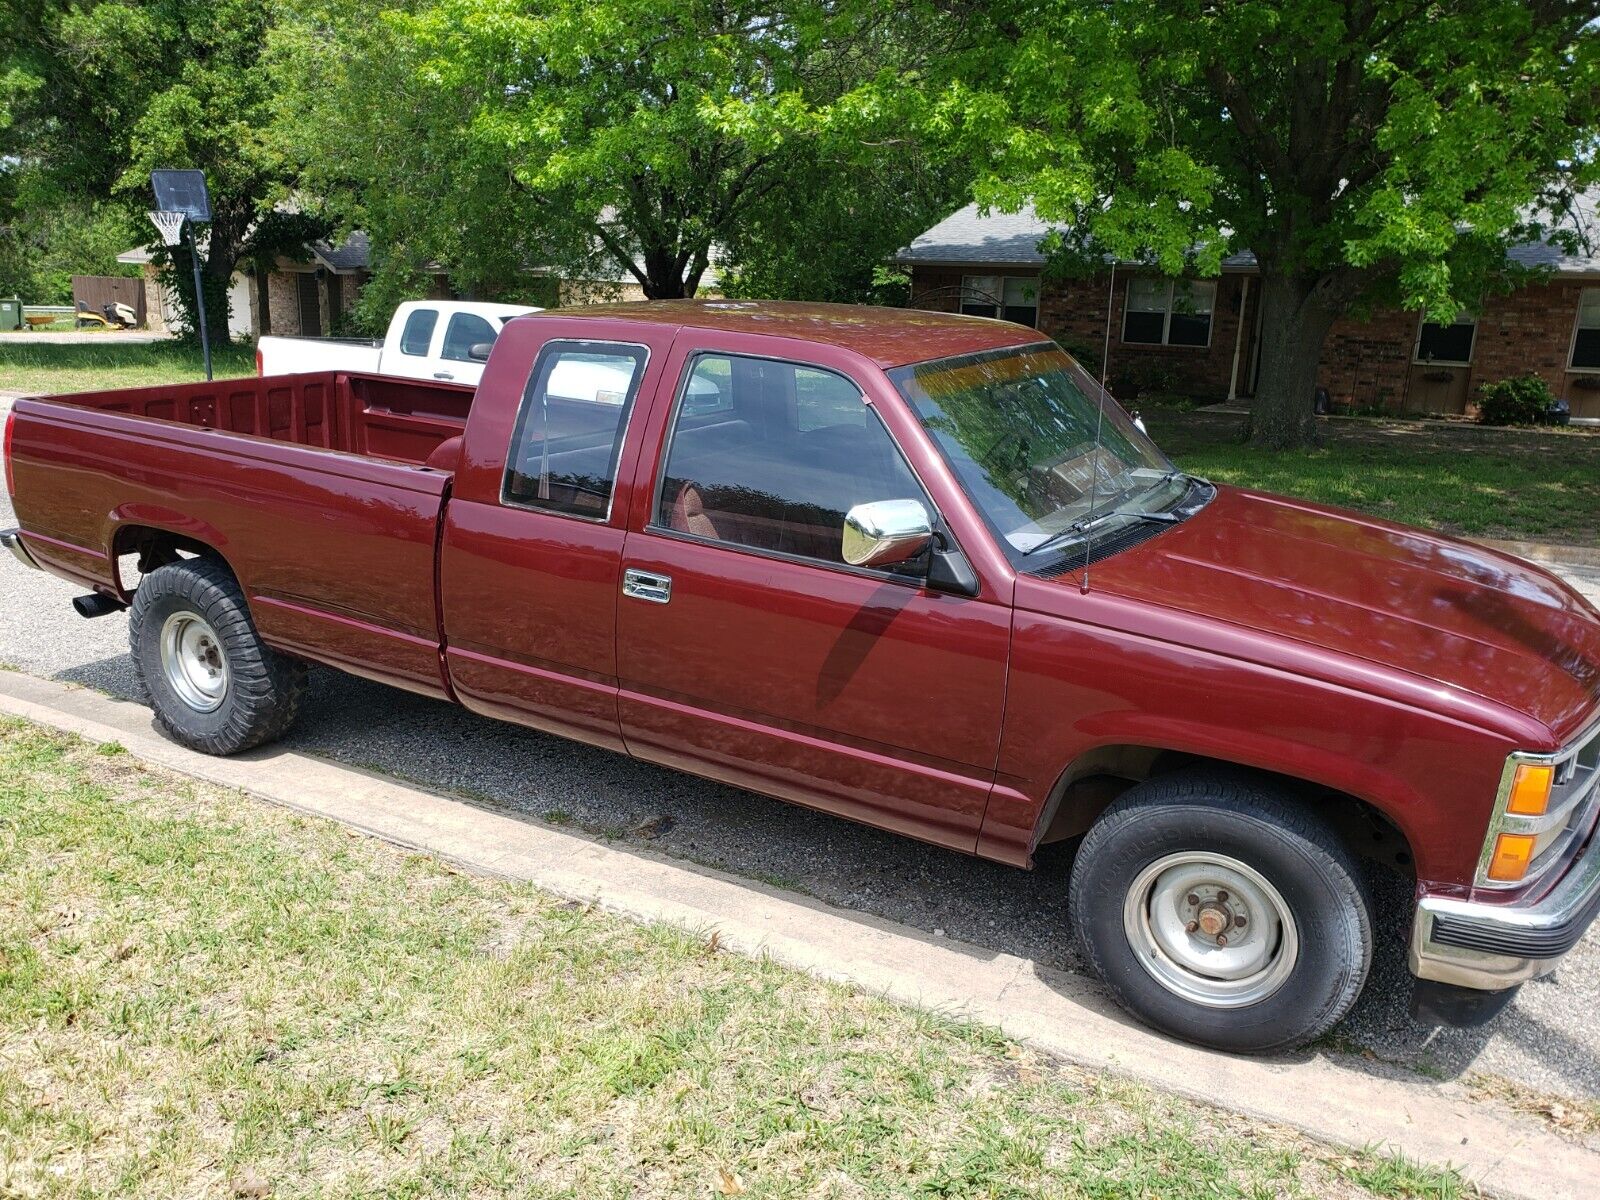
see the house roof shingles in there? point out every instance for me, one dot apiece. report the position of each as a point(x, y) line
point(969, 237)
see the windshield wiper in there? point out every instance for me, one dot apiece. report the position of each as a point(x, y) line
point(1084, 524)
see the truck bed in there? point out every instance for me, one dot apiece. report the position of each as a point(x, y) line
point(314, 487)
point(374, 416)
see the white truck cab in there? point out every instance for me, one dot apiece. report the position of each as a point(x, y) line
point(427, 339)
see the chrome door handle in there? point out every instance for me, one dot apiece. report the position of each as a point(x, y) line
point(643, 585)
point(443, 375)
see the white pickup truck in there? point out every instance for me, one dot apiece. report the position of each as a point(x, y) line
point(447, 340)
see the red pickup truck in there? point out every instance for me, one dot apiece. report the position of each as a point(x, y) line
point(912, 569)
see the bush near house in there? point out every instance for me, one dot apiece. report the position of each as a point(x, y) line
point(1524, 400)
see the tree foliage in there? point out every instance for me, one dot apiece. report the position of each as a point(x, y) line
point(626, 140)
point(100, 92)
point(1365, 150)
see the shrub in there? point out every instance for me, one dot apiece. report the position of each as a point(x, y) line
point(1523, 400)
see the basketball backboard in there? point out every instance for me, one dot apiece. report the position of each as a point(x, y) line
point(182, 191)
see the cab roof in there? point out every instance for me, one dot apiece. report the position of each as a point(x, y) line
point(890, 337)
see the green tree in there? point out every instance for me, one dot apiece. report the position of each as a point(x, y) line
point(594, 136)
point(1365, 150)
point(828, 231)
point(100, 92)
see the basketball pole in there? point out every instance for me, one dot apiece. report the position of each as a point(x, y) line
point(199, 296)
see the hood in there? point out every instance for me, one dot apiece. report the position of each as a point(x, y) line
point(1436, 607)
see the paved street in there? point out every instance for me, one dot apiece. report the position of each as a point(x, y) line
point(1548, 1040)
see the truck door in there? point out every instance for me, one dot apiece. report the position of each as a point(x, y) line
point(410, 350)
point(531, 546)
point(749, 650)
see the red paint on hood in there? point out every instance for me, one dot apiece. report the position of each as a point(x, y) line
point(1436, 607)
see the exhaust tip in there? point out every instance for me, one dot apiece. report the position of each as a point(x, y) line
point(96, 605)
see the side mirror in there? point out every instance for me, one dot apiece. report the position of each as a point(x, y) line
point(479, 351)
point(886, 532)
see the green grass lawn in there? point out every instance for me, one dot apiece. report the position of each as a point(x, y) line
point(204, 995)
point(1451, 476)
point(49, 366)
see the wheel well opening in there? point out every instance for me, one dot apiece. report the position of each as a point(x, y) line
point(136, 550)
point(1095, 781)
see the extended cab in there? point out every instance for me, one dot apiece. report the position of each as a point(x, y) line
point(447, 340)
point(912, 569)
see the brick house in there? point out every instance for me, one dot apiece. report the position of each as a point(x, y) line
point(304, 294)
point(1200, 335)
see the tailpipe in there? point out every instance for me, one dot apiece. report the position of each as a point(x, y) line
point(96, 605)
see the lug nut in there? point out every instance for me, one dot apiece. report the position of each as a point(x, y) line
point(1222, 939)
point(1194, 901)
point(1240, 920)
point(1191, 926)
point(1222, 897)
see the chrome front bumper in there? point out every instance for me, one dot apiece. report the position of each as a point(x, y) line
point(11, 539)
point(1492, 947)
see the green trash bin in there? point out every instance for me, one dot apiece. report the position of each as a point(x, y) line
point(10, 314)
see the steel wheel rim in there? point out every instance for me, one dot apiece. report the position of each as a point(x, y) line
point(192, 660)
point(1177, 941)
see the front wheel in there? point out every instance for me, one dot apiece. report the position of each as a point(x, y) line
point(1219, 911)
point(214, 685)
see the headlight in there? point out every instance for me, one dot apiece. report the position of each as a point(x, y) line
point(1545, 802)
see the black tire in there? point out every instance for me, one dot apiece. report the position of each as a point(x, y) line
point(1252, 822)
point(262, 689)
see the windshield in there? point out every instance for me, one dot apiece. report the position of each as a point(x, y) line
point(1018, 427)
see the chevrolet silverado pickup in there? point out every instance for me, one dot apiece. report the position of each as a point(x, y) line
point(912, 569)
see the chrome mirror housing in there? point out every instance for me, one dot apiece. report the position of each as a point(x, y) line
point(886, 532)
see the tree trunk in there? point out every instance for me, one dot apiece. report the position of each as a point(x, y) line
point(217, 274)
point(1294, 325)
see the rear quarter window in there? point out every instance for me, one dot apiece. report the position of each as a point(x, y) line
point(418, 332)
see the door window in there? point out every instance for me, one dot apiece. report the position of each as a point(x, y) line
point(1447, 345)
point(569, 431)
point(778, 462)
point(418, 332)
point(465, 331)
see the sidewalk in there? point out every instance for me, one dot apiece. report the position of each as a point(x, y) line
point(71, 337)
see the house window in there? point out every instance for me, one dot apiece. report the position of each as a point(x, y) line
point(1447, 345)
point(1586, 339)
point(1168, 312)
point(1009, 297)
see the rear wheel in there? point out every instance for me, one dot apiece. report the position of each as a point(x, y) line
point(213, 684)
point(1218, 910)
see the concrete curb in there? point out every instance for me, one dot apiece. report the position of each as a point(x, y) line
point(1503, 1152)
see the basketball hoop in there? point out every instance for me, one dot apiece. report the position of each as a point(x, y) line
point(170, 224)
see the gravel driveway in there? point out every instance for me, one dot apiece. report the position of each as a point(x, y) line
point(1548, 1040)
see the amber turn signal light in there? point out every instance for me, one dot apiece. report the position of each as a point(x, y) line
point(1530, 790)
point(1512, 854)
